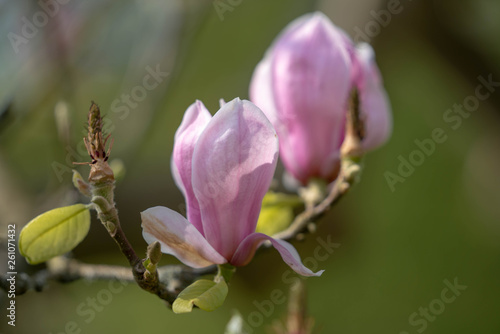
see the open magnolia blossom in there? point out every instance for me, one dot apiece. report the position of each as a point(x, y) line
point(223, 165)
point(303, 86)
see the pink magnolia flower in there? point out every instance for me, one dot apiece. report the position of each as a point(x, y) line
point(303, 86)
point(223, 165)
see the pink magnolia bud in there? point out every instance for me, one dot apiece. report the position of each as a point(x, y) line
point(303, 86)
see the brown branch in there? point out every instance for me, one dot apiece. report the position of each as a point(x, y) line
point(347, 177)
point(61, 269)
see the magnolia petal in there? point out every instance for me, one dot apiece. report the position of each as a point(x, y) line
point(374, 102)
point(233, 165)
point(248, 247)
point(178, 237)
point(261, 93)
point(193, 123)
point(261, 89)
point(311, 79)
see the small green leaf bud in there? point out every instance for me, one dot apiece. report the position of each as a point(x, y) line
point(82, 186)
point(154, 252)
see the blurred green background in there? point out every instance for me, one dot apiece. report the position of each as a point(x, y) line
point(397, 245)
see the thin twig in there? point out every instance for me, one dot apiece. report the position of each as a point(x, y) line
point(65, 270)
point(347, 177)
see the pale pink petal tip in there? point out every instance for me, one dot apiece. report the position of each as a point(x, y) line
point(289, 254)
point(178, 237)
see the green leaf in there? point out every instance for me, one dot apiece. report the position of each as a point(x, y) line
point(207, 295)
point(272, 198)
point(276, 213)
point(54, 232)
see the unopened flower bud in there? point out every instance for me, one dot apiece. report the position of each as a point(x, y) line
point(304, 85)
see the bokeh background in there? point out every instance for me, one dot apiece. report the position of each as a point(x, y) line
point(397, 245)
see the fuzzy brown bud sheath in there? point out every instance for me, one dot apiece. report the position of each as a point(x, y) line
point(355, 129)
point(100, 172)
